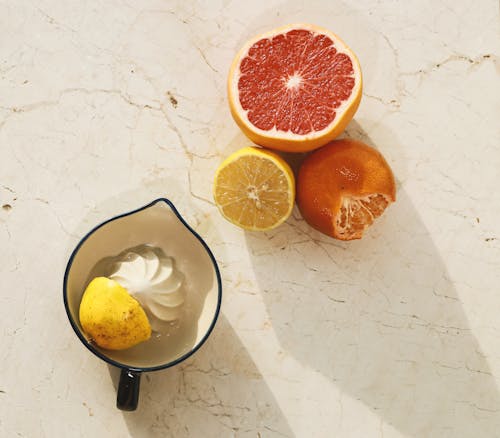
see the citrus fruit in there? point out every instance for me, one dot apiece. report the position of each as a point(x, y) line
point(255, 189)
point(294, 88)
point(343, 187)
point(111, 317)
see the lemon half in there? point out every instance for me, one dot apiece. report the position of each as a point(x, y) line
point(255, 189)
point(111, 317)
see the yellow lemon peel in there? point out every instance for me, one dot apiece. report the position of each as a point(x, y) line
point(111, 317)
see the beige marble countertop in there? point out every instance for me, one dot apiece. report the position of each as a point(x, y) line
point(107, 105)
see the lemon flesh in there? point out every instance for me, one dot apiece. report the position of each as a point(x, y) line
point(254, 189)
point(112, 318)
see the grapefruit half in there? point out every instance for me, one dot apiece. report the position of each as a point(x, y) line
point(294, 88)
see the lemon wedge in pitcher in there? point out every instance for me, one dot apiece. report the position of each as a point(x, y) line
point(112, 318)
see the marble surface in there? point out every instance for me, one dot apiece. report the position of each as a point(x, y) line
point(106, 105)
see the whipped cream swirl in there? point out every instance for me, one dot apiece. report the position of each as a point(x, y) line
point(152, 279)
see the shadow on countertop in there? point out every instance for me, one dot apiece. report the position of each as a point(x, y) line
point(380, 319)
point(216, 393)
